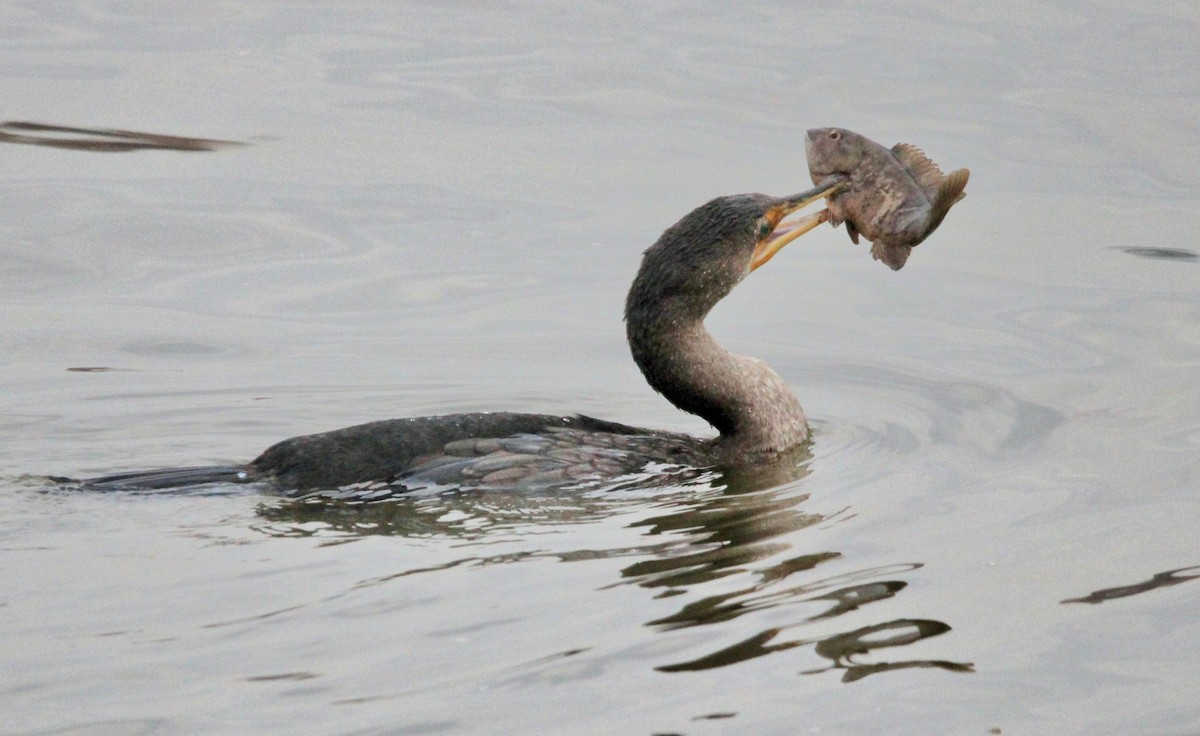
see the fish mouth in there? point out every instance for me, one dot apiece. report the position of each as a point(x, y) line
point(785, 232)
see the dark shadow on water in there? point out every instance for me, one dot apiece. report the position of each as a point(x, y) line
point(1161, 580)
point(103, 140)
point(1162, 254)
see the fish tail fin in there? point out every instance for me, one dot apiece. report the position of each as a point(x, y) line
point(951, 190)
point(164, 478)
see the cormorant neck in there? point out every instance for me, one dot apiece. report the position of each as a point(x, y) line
point(754, 410)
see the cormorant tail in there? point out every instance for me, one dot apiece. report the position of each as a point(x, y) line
point(149, 480)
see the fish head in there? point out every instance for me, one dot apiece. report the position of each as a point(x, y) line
point(834, 152)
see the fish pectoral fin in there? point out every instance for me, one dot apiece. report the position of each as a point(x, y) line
point(924, 172)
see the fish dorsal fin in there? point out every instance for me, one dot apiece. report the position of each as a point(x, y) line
point(925, 172)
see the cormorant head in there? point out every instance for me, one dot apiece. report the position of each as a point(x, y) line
point(698, 260)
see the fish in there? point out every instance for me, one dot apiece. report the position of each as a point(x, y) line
point(895, 197)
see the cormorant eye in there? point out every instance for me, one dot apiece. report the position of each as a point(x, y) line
point(764, 228)
point(835, 135)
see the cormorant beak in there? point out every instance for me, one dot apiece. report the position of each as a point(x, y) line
point(786, 232)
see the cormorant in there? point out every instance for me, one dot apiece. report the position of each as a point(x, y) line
point(693, 265)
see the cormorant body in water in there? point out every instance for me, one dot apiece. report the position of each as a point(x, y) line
point(693, 265)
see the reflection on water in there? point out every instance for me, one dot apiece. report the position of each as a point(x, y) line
point(841, 647)
point(837, 647)
point(447, 511)
point(1161, 580)
point(441, 510)
point(466, 514)
point(103, 140)
point(713, 537)
point(713, 526)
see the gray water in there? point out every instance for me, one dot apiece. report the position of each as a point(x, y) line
point(438, 209)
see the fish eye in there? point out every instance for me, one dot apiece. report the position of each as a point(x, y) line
point(763, 228)
point(835, 135)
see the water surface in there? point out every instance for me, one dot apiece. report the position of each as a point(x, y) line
point(438, 208)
